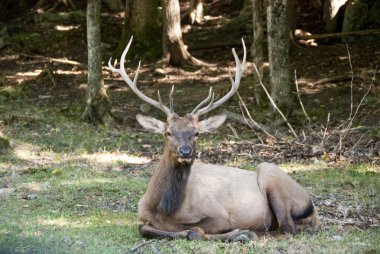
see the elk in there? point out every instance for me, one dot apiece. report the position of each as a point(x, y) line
point(193, 200)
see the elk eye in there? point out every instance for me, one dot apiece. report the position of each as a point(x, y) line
point(196, 134)
point(168, 134)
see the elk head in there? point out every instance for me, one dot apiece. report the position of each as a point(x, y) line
point(182, 132)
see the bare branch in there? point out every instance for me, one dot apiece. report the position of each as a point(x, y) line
point(356, 112)
point(54, 60)
point(273, 103)
point(139, 246)
point(299, 98)
point(351, 83)
point(258, 126)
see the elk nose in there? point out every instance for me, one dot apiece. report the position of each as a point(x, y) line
point(185, 151)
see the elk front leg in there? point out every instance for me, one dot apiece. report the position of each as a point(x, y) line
point(150, 232)
point(196, 233)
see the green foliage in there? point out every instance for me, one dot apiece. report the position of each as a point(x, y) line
point(4, 144)
point(11, 92)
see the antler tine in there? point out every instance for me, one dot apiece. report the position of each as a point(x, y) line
point(171, 100)
point(133, 84)
point(240, 68)
point(212, 100)
point(203, 102)
point(159, 99)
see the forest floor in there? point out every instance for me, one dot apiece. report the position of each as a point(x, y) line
point(70, 187)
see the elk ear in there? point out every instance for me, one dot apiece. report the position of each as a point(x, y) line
point(151, 124)
point(211, 123)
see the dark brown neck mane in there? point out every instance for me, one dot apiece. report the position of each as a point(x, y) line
point(168, 184)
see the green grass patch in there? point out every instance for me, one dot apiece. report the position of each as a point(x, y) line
point(68, 187)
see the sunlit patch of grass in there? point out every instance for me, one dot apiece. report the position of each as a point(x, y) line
point(83, 210)
point(116, 157)
point(10, 92)
point(80, 210)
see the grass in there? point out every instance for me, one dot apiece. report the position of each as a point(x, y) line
point(67, 187)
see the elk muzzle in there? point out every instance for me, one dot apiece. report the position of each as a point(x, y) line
point(185, 151)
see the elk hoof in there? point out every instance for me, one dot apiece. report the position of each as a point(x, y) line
point(288, 229)
point(196, 234)
point(244, 236)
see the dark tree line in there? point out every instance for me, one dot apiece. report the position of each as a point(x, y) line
point(274, 23)
point(141, 21)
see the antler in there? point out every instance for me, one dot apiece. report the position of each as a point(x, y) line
point(240, 67)
point(133, 84)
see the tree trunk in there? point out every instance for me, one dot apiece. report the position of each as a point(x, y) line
point(97, 109)
point(330, 14)
point(292, 15)
point(278, 50)
point(141, 20)
point(196, 11)
point(175, 52)
point(259, 47)
point(359, 15)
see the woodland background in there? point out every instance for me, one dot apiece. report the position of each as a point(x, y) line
point(74, 162)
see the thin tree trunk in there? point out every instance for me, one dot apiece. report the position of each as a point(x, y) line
point(175, 52)
point(278, 50)
point(292, 15)
point(196, 11)
point(330, 14)
point(141, 21)
point(259, 47)
point(97, 109)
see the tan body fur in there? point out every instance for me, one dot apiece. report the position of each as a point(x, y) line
point(220, 199)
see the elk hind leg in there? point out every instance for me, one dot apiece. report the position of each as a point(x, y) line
point(289, 202)
point(282, 212)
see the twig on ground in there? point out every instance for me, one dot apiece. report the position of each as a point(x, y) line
point(139, 246)
point(51, 76)
point(233, 130)
point(257, 125)
point(299, 98)
point(236, 117)
point(273, 103)
point(55, 60)
point(358, 142)
point(275, 156)
point(325, 131)
point(334, 79)
point(348, 127)
point(336, 35)
point(351, 83)
point(240, 119)
point(154, 249)
point(304, 136)
point(340, 222)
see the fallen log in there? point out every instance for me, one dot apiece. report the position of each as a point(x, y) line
point(335, 35)
point(54, 60)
